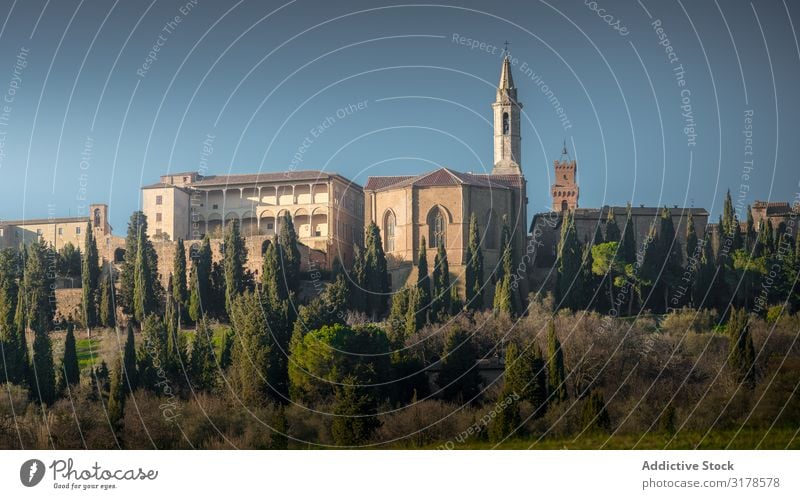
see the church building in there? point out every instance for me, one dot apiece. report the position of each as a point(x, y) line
point(437, 205)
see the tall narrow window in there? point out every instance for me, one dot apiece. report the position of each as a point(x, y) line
point(437, 227)
point(505, 123)
point(388, 230)
point(97, 217)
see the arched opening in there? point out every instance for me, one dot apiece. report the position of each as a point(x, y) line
point(564, 205)
point(96, 222)
point(302, 223)
point(505, 124)
point(119, 255)
point(389, 223)
point(437, 228)
point(319, 223)
point(266, 223)
point(214, 223)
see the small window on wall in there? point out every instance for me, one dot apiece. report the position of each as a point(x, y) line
point(158, 232)
point(158, 217)
point(77, 231)
point(159, 199)
point(60, 231)
point(505, 124)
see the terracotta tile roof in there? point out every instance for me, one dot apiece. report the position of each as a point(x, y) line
point(254, 178)
point(444, 177)
point(40, 221)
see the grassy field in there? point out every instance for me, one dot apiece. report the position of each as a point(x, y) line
point(88, 352)
point(747, 439)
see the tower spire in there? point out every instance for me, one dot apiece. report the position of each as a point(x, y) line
point(506, 124)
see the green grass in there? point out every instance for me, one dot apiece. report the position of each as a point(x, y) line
point(88, 352)
point(747, 438)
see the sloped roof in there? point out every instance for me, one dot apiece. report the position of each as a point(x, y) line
point(253, 178)
point(443, 177)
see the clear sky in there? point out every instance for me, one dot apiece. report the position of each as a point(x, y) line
point(88, 115)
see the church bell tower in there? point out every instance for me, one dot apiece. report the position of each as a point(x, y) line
point(506, 108)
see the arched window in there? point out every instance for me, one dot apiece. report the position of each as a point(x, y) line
point(437, 228)
point(389, 223)
point(505, 123)
point(564, 205)
point(97, 217)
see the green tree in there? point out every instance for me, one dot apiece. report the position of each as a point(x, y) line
point(594, 416)
point(70, 369)
point(354, 422)
point(555, 365)
point(671, 271)
point(628, 242)
point(200, 280)
point(35, 307)
point(505, 294)
point(398, 317)
point(235, 257)
point(742, 355)
point(130, 372)
point(12, 338)
point(90, 275)
point(458, 378)
point(474, 271)
point(376, 273)
point(423, 291)
point(254, 370)
point(179, 289)
point(152, 355)
point(569, 283)
point(525, 376)
point(507, 420)
point(127, 280)
point(440, 303)
point(612, 229)
point(202, 365)
point(69, 261)
point(108, 313)
point(326, 356)
point(607, 265)
point(146, 287)
point(289, 256)
point(43, 381)
point(116, 396)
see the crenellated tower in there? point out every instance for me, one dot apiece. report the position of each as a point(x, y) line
point(564, 190)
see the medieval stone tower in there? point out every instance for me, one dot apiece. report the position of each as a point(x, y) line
point(565, 188)
point(507, 159)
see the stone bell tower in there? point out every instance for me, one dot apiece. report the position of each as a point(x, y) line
point(565, 188)
point(506, 108)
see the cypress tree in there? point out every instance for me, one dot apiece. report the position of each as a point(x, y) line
point(671, 269)
point(354, 422)
point(440, 304)
point(398, 315)
point(474, 272)
point(108, 314)
point(750, 232)
point(458, 378)
point(136, 224)
point(252, 372)
point(116, 396)
point(742, 355)
point(200, 281)
point(271, 278)
point(358, 299)
point(35, 308)
point(180, 293)
point(152, 355)
point(507, 420)
point(70, 369)
point(130, 372)
point(423, 291)
point(376, 273)
point(43, 381)
point(628, 247)
point(235, 257)
point(289, 255)
point(612, 229)
point(555, 365)
point(526, 376)
point(146, 288)
point(202, 367)
point(594, 416)
point(90, 275)
point(504, 298)
point(12, 339)
point(569, 292)
point(598, 236)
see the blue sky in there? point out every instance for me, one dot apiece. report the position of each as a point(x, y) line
point(259, 76)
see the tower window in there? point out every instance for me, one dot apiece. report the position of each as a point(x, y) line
point(389, 229)
point(505, 123)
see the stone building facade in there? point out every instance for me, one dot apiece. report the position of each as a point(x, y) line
point(327, 209)
point(438, 204)
point(57, 232)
